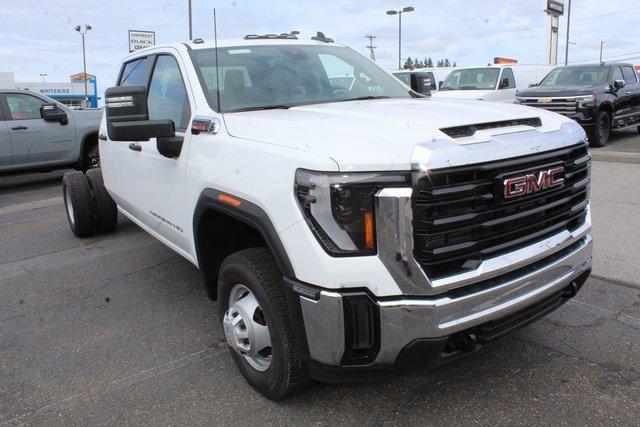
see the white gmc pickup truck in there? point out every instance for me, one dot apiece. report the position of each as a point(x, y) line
point(346, 230)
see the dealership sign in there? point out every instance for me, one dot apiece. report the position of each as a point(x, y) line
point(141, 39)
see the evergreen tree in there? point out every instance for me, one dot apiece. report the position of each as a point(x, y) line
point(408, 64)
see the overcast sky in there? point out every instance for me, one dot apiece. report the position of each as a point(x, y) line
point(37, 36)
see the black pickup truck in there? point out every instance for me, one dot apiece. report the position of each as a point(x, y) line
point(601, 97)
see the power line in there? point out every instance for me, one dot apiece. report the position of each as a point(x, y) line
point(614, 57)
point(372, 54)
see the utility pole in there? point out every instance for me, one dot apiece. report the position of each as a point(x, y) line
point(566, 48)
point(601, 43)
point(372, 54)
point(190, 23)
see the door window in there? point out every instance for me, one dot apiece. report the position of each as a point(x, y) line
point(23, 106)
point(630, 76)
point(507, 73)
point(167, 97)
point(136, 73)
point(617, 74)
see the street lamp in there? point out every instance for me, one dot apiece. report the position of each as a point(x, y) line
point(399, 13)
point(601, 43)
point(82, 29)
point(43, 75)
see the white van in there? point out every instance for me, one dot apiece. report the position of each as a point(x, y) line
point(497, 82)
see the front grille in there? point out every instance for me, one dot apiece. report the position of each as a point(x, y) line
point(459, 219)
point(469, 130)
point(564, 106)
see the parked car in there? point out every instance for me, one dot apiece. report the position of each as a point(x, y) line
point(601, 97)
point(37, 132)
point(344, 232)
point(496, 83)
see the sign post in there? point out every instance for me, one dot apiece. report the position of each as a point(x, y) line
point(141, 39)
point(553, 8)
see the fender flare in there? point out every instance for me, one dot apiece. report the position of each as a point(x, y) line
point(248, 213)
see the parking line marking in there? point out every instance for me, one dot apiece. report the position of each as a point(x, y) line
point(36, 204)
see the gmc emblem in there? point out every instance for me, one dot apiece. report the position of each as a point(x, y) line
point(519, 186)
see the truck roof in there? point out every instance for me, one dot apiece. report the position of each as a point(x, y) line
point(235, 42)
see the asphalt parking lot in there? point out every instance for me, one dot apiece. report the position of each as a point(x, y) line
point(117, 329)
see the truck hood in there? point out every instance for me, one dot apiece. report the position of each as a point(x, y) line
point(463, 94)
point(378, 134)
point(538, 91)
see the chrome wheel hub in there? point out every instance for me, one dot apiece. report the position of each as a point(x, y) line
point(245, 328)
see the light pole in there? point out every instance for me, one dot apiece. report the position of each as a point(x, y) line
point(566, 48)
point(43, 75)
point(601, 43)
point(399, 13)
point(82, 29)
point(190, 23)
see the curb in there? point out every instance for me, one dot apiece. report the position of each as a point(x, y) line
point(615, 156)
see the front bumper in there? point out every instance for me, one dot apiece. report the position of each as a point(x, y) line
point(350, 332)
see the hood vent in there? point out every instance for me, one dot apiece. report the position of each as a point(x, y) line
point(469, 130)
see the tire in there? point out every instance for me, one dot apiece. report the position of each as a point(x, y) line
point(105, 208)
point(256, 271)
point(78, 203)
point(91, 154)
point(599, 134)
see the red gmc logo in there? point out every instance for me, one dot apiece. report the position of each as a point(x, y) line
point(519, 186)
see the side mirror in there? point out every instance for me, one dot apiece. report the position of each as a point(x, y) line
point(421, 83)
point(618, 84)
point(51, 112)
point(440, 84)
point(504, 83)
point(128, 117)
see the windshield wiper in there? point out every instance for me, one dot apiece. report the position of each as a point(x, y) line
point(262, 107)
point(362, 98)
point(468, 88)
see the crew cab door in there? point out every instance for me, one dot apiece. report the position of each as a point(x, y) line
point(5, 144)
point(147, 185)
point(627, 104)
point(35, 141)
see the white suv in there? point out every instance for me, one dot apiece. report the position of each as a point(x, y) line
point(345, 231)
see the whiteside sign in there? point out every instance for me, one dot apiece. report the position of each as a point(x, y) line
point(141, 39)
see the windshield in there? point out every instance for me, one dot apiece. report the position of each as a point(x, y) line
point(471, 79)
point(576, 76)
point(283, 76)
point(404, 78)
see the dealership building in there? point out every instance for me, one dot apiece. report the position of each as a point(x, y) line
point(70, 93)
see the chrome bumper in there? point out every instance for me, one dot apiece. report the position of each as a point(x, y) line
point(403, 319)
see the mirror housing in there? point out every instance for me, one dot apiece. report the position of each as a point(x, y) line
point(440, 83)
point(51, 112)
point(128, 118)
point(504, 83)
point(421, 83)
point(618, 84)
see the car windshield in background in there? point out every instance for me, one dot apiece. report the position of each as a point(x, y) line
point(404, 78)
point(264, 77)
point(471, 79)
point(576, 76)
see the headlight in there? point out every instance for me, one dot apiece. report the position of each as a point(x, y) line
point(339, 207)
point(585, 98)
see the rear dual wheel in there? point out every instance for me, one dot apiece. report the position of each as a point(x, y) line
point(88, 205)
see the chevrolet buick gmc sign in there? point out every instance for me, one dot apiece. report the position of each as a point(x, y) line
point(141, 39)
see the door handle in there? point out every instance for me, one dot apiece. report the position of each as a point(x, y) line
point(19, 128)
point(135, 147)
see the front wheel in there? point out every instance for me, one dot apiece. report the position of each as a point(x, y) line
point(599, 134)
point(255, 318)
